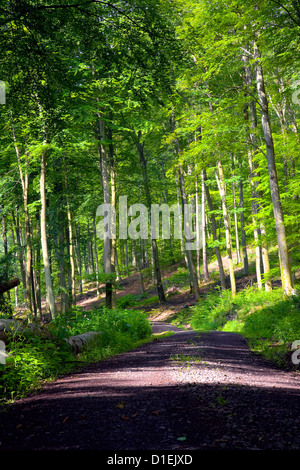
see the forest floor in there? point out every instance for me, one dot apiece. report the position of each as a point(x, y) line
point(181, 393)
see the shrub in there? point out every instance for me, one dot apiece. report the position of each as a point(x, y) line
point(37, 359)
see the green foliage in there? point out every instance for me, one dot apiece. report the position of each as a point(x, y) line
point(37, 359)
point(132, 322)
point(211, 312)
point(31, 362)
point(269, 323)
point(6, 309)
point(181, 277)
point(130, 300)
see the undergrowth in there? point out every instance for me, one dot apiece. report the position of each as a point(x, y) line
point(269, 322)
point(34, 359)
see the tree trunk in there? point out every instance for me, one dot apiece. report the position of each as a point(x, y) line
point(113, 259)
point(262, 256)
point(158, 280)
point(242, 219)
point(96, 257)
point(205, 265)
point(138, 263)
point(227, 225)
point(104, 164)
point(286, 274)
point(5, 250)
point(25, 185)
point(38, 269)
point(77, 252)
point(236, 229)
point(16, 223)
point(215, 235)
point(198, 236)
point(71, 241)
point(191, 267)
point(44, 243)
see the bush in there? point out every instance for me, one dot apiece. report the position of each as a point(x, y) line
point(37, 359)
point(211, 313)
point(269, 323)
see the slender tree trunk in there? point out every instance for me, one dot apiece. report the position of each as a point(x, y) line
point(261, 250)
point(64, 297)
point(4, 234)
point(138, 263)
point(48, 281)
point(190, 262)
point(227, 225)
point(16, 222)
point(38, 269)
point(215, 235)
point(114, 205)
point(198, 235)
point(33, 285)
point(205, 265)
point(242, 219)
point(25, 187)
point(236, 229)
point(104, 164)
point(159, 284)
point(180, 218)
point(126, 258)
point(77, 253)
point(71, 241)
point(286, 274)
point(96, 257)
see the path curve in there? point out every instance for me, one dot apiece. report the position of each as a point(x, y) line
point(189, 391)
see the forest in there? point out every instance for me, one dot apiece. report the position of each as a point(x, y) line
point(165, 104)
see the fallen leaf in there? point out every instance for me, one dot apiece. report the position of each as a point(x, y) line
point(155, 412)
point(121, 405)
point(65, 419)
point(125, 418)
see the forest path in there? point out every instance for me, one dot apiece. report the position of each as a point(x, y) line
point(182, 392)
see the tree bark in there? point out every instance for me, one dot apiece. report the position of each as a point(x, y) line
point(261, 250)
point(215, 235)
point(242, 219)
point(6, 286)
point(25, 186)
point(104, 164)
point(16, 222)
point(227, 224)
point(286, 274)
point(205, 265)
point(157, 272)
point(192, 272)
point(44, 243)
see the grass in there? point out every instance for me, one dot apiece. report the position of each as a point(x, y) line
point(269, 322)
point(34, 359)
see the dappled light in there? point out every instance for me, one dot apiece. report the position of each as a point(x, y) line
point(149, 225)
point(210, 389)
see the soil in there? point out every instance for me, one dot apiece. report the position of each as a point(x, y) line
point(182, 393)
point(188, 391)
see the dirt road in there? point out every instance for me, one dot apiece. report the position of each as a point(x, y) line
point(189, 391)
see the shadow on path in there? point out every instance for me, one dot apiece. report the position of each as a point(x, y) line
point(187, 391)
